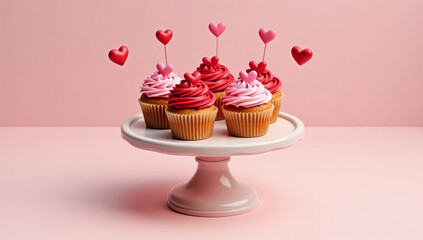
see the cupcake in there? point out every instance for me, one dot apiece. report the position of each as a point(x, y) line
point(247, 107)
point(271, 83)
point(217, 78)
point(191, 111)
point(154, 92)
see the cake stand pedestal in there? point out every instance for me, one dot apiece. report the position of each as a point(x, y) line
point(213, 191)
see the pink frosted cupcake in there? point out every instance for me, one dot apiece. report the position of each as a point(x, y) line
point(247, 108)
point(155, 91)
point(271, 83)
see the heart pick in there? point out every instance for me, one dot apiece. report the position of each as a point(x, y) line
point(164, 70)
point(193, 78)
point(217, 29)
point(267, 35)
point(164, 36)
point(119, 56)
point(248, 77)
point(301, 56)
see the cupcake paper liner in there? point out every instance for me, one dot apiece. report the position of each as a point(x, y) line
point(248, 124)
point(277, 102)
point(191, 126)
point(154, 115)
point(219, 105)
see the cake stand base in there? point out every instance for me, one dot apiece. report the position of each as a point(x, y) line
point(212, 191)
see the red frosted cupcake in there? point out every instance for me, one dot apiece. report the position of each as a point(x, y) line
point(217, 77)
point(271, 83)
point(191, 111)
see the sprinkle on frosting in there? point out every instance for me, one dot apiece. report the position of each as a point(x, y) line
point(189, 95)
point(158, 86)
point(215, 75)
point(266, 77)
point(246, 95)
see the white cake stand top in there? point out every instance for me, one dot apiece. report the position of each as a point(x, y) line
point(285, 132)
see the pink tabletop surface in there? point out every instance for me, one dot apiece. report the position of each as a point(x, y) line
point(87, 183)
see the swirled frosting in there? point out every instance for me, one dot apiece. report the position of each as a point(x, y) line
point(216, 77)
point(242, 94)
point(269, 81)
point(188, 95)
point(159, 86)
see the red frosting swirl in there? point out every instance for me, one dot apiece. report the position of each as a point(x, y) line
point(188, 95)
point(270, 81)
point(216, 77)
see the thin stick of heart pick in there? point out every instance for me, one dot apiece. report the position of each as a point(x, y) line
point(266, 36)
point(164, 37)
point(217, 30)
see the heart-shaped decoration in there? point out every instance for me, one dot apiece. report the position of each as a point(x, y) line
point(248, 77)
point(164, 70)
point(267, 35)
point(194, 78)
point(119, 56)
point(301, 56)
point(211, 63)
point(259, 68)
point(164, 36)
point(217, 29)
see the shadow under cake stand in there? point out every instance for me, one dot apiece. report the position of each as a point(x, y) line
point(213, 191)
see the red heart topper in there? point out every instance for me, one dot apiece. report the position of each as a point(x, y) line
point(194, 78)
point(259, 68)
point(119, 56)
point(211, 63)
point(301, 56)
point(164, 36)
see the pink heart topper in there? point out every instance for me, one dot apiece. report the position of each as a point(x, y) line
point(248, 77)
point(164, 70)
point(217, 29)
point(267, 35)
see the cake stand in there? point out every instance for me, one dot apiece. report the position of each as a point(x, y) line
point(213, 191)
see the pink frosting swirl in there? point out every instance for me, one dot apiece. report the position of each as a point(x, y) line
point(158, 86)
point(242, 94)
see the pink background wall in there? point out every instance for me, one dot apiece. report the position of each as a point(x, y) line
point(366, 70)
